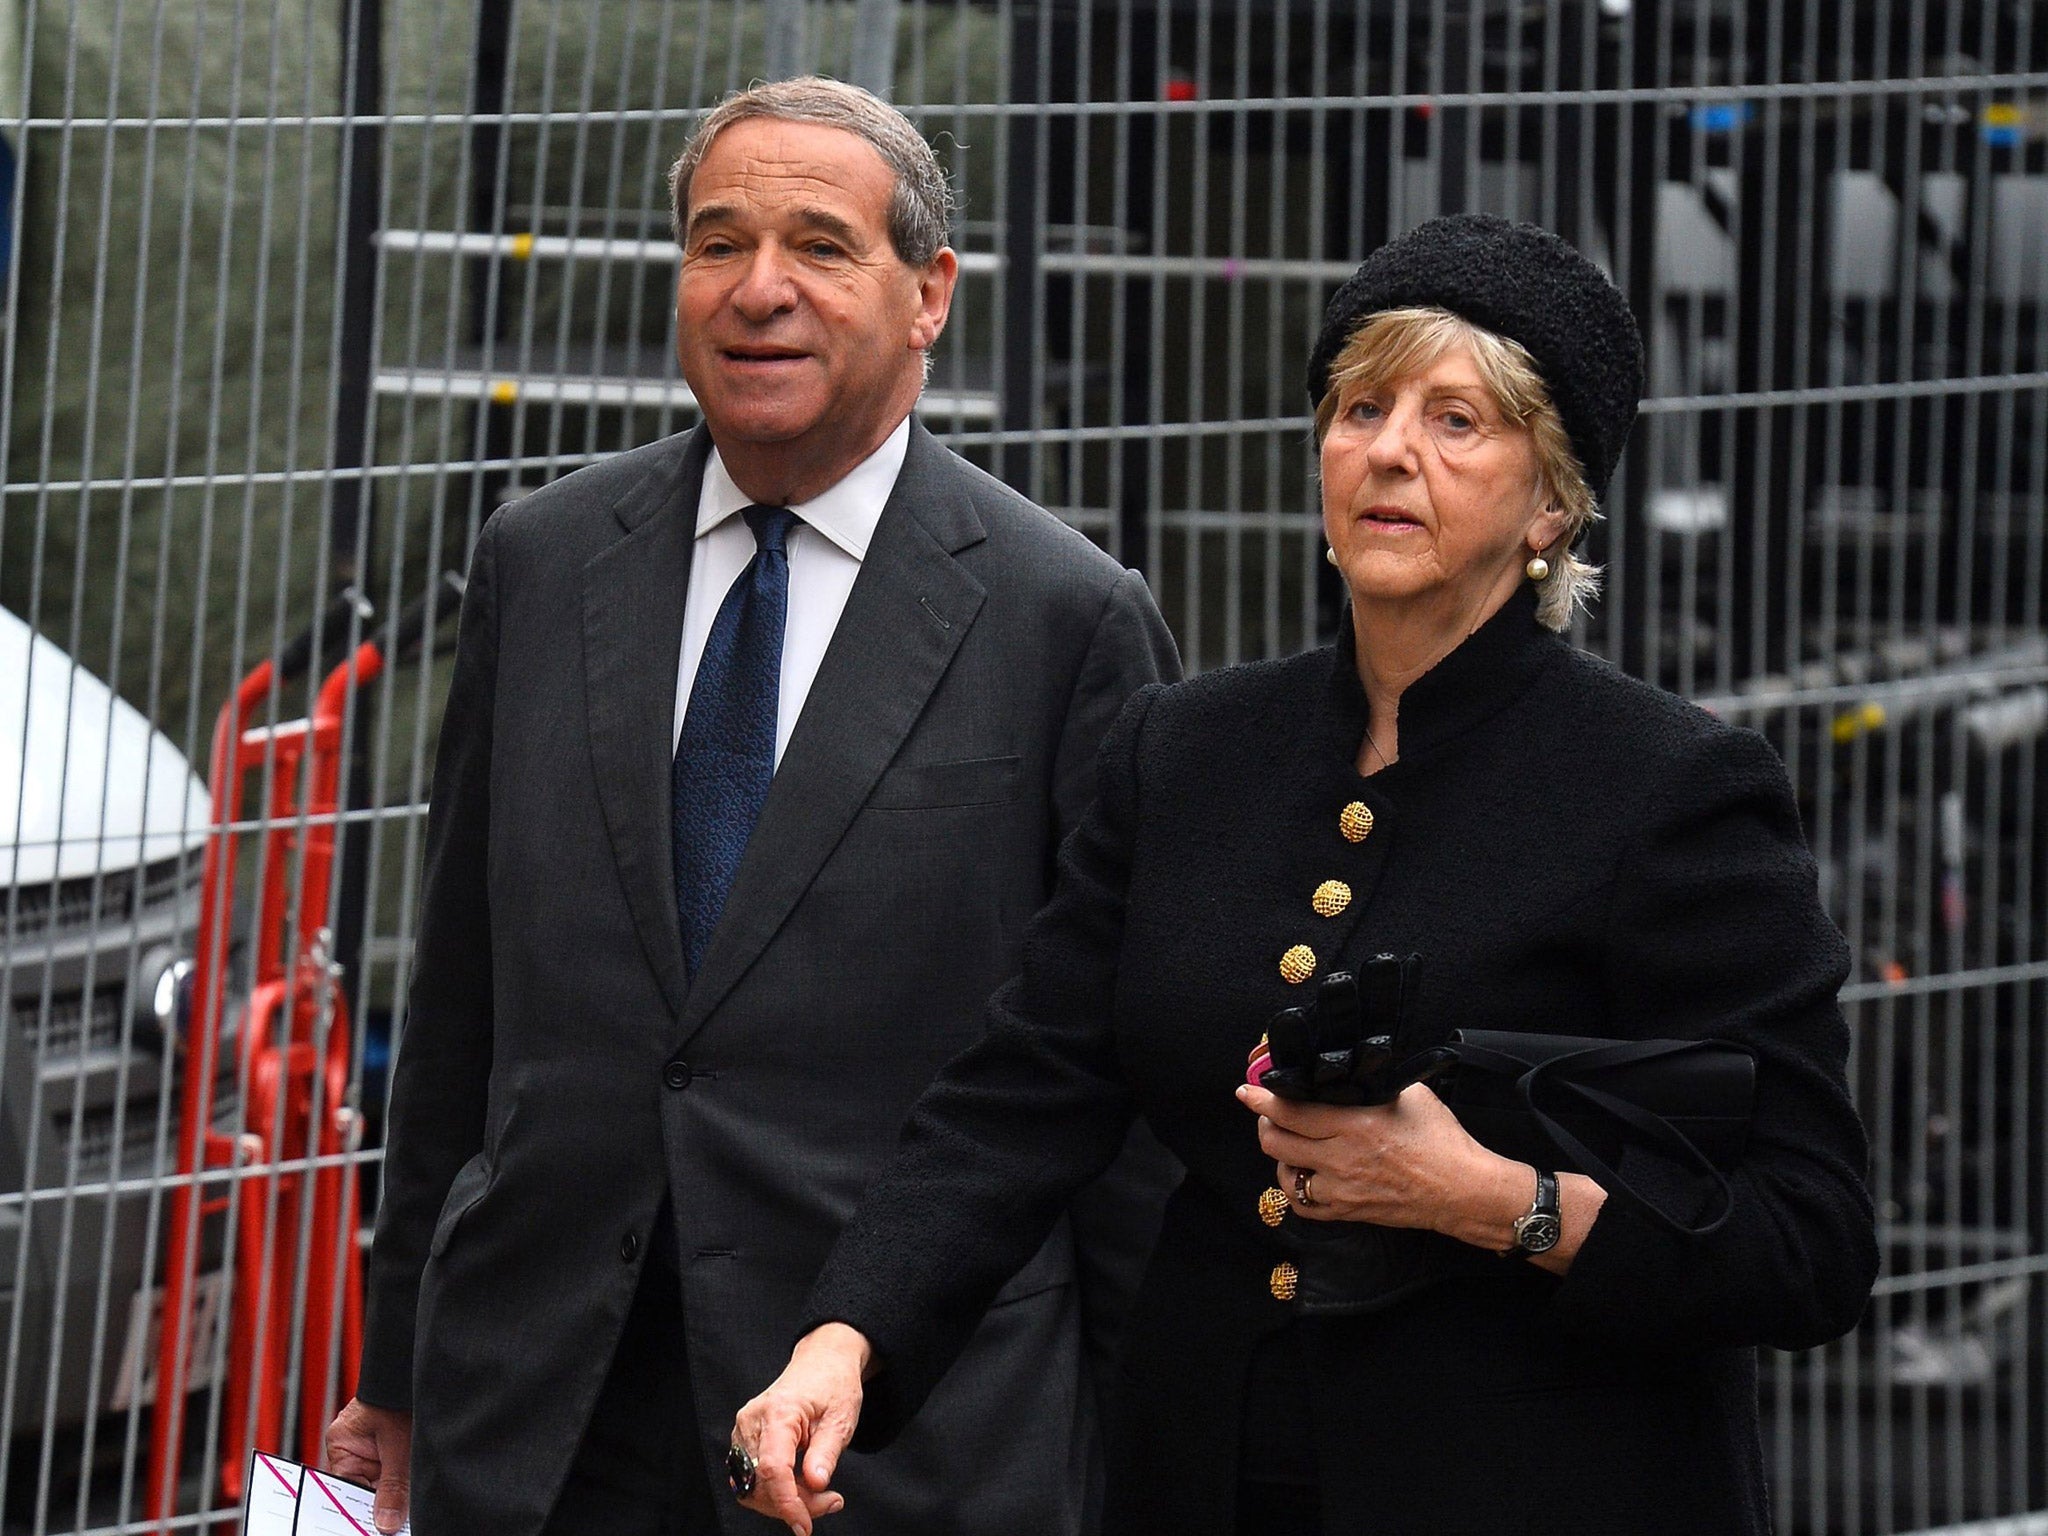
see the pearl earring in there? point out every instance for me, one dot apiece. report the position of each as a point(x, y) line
point(1330, 554)
point(1538, 568)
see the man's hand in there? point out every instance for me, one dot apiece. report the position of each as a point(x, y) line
point(374, 1446)
point(809, 1412)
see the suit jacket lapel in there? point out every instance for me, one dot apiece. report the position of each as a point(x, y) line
point(633, 595)
point(909, 609)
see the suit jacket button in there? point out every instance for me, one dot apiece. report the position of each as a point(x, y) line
point(676, 1074)
point(1330, 898)
point(1297, 965)
point(629, 1247)
point(1355, 821)
point(1273, 1207)
point(1284, 1282)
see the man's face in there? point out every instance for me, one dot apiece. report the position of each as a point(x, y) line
point(799, 329)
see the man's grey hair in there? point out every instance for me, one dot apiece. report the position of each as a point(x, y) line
point(920, 207)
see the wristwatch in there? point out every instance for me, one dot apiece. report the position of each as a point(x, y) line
point(1538, 1230)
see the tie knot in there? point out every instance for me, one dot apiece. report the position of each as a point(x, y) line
point(771, 527)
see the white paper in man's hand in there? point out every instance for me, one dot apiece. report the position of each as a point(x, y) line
point(271, 1507)
point(286, 1499)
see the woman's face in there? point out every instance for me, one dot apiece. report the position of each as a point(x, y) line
point(1431, 494)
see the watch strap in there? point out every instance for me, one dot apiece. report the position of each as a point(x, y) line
point(1537, 1230)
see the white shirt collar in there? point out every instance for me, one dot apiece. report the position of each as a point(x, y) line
point(845, 513)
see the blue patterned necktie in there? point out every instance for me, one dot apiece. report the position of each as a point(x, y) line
point(725, 755)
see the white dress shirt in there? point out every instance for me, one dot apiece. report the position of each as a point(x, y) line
point(825, 552)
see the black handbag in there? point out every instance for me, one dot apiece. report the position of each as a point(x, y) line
point(1560, 1101)
point(1579, 1103)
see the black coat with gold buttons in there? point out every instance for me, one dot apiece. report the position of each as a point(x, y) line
point(1569, 851)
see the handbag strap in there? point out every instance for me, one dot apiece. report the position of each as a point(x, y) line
point(1651, 1128)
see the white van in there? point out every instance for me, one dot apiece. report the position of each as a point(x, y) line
point(102, 831)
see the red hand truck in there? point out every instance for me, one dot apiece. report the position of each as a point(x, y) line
point(286, 1173)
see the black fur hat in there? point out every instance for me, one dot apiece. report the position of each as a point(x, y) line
point(1521, 282)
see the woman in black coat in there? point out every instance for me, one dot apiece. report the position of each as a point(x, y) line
point(1567, 850)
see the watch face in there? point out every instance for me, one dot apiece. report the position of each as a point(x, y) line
point(1537, 1232)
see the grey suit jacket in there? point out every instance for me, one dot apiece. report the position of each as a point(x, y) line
point(560, 1074)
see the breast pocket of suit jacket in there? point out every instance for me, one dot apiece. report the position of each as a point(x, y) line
point(960, 783)
point(915, 914)
point(472, 1179)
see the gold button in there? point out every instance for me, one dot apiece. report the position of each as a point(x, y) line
point(1331, 897)
point(1297, 965)
point(1355, 821)
point(1273, 1207)
point(1283, 1282)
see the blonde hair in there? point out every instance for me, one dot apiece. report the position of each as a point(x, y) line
point(1397, 343)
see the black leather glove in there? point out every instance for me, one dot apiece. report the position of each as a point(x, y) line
point(1353, 1044)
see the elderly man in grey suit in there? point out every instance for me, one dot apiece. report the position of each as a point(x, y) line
point(760, 742)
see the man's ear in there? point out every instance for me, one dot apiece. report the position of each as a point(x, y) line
point(935, 299)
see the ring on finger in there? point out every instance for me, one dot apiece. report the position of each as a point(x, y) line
point(1304, 1187)
point(740, 1471)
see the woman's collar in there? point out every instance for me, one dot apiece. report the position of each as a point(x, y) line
point(1487, 671)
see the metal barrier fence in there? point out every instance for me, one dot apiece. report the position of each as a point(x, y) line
point(296, 294)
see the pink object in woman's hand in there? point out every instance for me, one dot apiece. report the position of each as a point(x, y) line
point(1255, 1067)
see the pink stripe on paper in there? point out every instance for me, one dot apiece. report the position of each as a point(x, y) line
point(277, 1472)
point(340, 1508)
